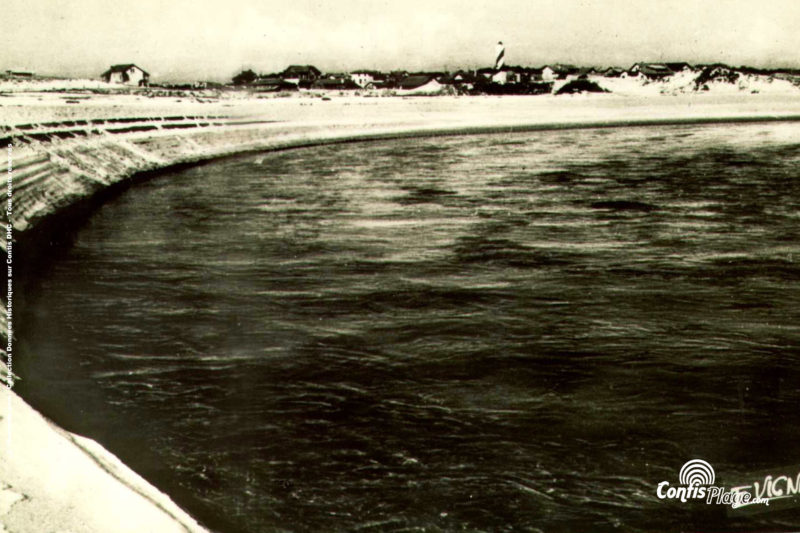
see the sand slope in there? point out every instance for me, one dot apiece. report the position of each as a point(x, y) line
point(54, 481)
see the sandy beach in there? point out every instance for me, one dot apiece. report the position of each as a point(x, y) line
point(47, 474)
point(36, 107)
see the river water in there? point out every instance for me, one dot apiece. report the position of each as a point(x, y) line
point(519, 332)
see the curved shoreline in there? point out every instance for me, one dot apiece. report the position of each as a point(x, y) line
point(66, 175)
point(197, 147)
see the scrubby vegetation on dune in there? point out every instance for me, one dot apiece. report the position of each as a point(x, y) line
point(581, 86)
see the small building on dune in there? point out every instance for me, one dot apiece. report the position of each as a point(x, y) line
point(367, 78)
point(652, 71)
point(127, 74)
point(302, 75)
point(558, 72)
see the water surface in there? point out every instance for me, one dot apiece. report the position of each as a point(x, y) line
point(485, 333)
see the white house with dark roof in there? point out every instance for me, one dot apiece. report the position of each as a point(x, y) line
point(301, 74)
point(127, 74)
point(365, 78)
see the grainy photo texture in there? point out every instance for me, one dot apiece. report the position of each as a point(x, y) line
point(419, 266)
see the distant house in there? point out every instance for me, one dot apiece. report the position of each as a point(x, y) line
point(549, 73)
point(436, 75)
point(528, 74)
point(485, 73)
point(613, 72)
point(558, 72)
point(463, 76)
point(652, 71)
point(506, 75)
point(338, 82)
point(395, 77)
point(303, 75)
point(19, 73)
point(367, 78)
point(128, 74)
point(273, 84)
point(460, 80)
point(585, 72)
point(460, 77)
point(208, 85)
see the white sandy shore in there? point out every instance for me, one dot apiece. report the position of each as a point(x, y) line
point(53, 481)
point(22, 108)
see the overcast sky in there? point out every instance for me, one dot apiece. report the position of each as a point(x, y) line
point(214, 39)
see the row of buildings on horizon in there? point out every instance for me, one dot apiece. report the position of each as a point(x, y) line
point(506, 79)
point(310, 77)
